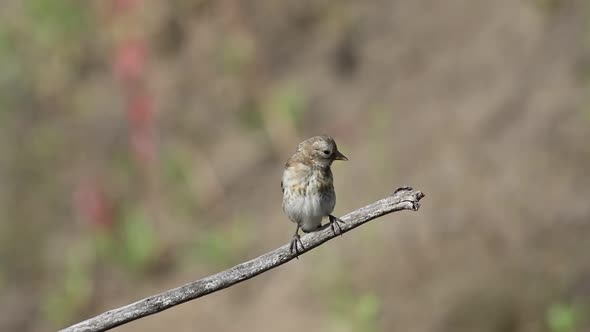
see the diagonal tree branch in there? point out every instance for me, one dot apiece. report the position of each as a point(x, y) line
point(404, 198)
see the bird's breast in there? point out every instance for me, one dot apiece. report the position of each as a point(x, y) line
point(308, 195)
point(308, 181)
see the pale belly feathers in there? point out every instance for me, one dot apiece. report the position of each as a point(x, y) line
point(307, 202)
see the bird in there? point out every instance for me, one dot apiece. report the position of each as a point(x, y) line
point(308, 187)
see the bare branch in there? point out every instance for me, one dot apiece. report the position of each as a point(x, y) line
point(404, 198)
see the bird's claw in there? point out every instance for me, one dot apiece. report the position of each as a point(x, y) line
point(295, 242)
point(334, 224)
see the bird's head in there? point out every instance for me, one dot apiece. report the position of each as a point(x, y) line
point(322, 150)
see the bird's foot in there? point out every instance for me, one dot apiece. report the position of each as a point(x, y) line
point(295, 243)
point(334, 224)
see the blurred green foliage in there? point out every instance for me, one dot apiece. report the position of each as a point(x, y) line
point(2, 278)
point(354, 312)
point(551, 6)
point(9, 64)
point(289, 101)
point(350, 309)
point(72, 291)
point(57, 20)
point(562, 318)
point(567, 317)
point(176, 172)
point(132, 244)
point(237, 53)
point(285, 104)
point(52, 28)
point(214, 248)
point(221, 247)
point(139, 242)
point(48, 140)
point(251, 117)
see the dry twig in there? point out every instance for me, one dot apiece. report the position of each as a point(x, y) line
point(404, 198)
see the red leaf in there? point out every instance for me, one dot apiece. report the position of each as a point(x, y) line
point(140, 112)
point(93, 204)
point(130, 61)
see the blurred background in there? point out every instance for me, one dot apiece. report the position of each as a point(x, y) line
point(142, 145)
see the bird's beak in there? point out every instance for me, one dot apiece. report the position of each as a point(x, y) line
point(339, 156)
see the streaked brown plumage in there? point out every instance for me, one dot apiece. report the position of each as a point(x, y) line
point(307, 184)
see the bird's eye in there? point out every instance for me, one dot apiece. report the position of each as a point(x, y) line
point(326, 152)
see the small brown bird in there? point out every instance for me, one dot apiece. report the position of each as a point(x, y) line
point(308, 186)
